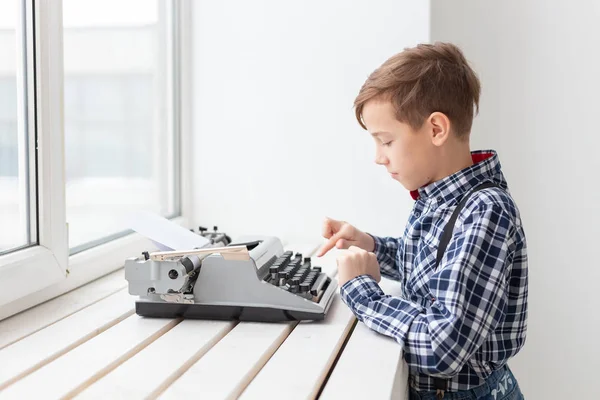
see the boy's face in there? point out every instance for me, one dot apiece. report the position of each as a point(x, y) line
point(407, 154)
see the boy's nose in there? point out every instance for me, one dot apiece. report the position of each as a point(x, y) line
point(380, 159)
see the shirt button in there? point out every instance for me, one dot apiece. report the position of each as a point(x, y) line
point(417, 214)
point(439, 199)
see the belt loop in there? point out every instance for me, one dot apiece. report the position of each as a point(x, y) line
point(441, 385)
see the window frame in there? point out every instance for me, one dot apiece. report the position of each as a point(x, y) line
point(23, 272)
point(40, 272)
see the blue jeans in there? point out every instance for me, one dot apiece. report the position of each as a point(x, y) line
point(500, 385)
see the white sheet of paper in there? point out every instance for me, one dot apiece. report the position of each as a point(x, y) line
point(165, 234)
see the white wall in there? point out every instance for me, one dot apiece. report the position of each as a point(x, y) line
point(276, 141)
point(539, 65)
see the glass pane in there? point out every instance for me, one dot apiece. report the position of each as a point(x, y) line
point(14, 157)
point(119, 138)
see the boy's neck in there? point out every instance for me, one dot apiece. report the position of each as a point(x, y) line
point(453, 160)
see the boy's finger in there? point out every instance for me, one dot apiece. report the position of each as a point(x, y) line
point(327, 229)
point(333, 223)
point(328, 245)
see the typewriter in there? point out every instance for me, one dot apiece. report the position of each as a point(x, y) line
point(253, 279)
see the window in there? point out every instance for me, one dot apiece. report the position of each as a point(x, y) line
point(120, 144)
point(16, 215)
point(90, 129)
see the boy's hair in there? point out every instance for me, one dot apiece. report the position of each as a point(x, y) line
point(422, 80)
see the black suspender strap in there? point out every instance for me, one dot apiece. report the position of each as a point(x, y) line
point(449, 228)
point(441, 385)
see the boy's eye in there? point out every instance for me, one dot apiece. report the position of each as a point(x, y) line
point(387, 143)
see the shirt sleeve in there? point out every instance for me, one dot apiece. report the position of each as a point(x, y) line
point(468, 298)
point(386, 250)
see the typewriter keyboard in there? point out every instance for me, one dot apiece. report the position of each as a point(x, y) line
point(295, 274)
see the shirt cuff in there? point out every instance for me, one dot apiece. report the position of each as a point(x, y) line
point(381, 250)
point(360, 289)
point(378, 242)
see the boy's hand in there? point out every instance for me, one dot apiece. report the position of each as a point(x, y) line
point(343, 235)
point(355, 262)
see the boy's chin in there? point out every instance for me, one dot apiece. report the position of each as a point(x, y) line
point(407, 185)
point(410, 186)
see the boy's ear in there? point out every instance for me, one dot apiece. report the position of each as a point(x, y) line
point(439, 124)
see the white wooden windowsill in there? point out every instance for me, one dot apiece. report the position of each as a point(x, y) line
point(89, 343)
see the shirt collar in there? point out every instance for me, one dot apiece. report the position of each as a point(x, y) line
point(486, 166)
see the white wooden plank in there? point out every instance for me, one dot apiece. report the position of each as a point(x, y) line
point(40, 348)
point(74, 371)
point(387, 372)
point(152, 370)
point(227, 368)
point(45, 314)
point(306, 355)
point(249, 344)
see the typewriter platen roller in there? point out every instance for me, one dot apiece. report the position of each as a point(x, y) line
point(253, 279)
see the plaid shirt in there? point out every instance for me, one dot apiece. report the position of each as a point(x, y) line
point(468, 317)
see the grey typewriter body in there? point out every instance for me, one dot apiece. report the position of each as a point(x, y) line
point(261, 282)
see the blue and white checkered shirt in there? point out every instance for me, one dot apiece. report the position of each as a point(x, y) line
point(468, 317)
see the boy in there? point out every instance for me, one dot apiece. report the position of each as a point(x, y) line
point(463, 310)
